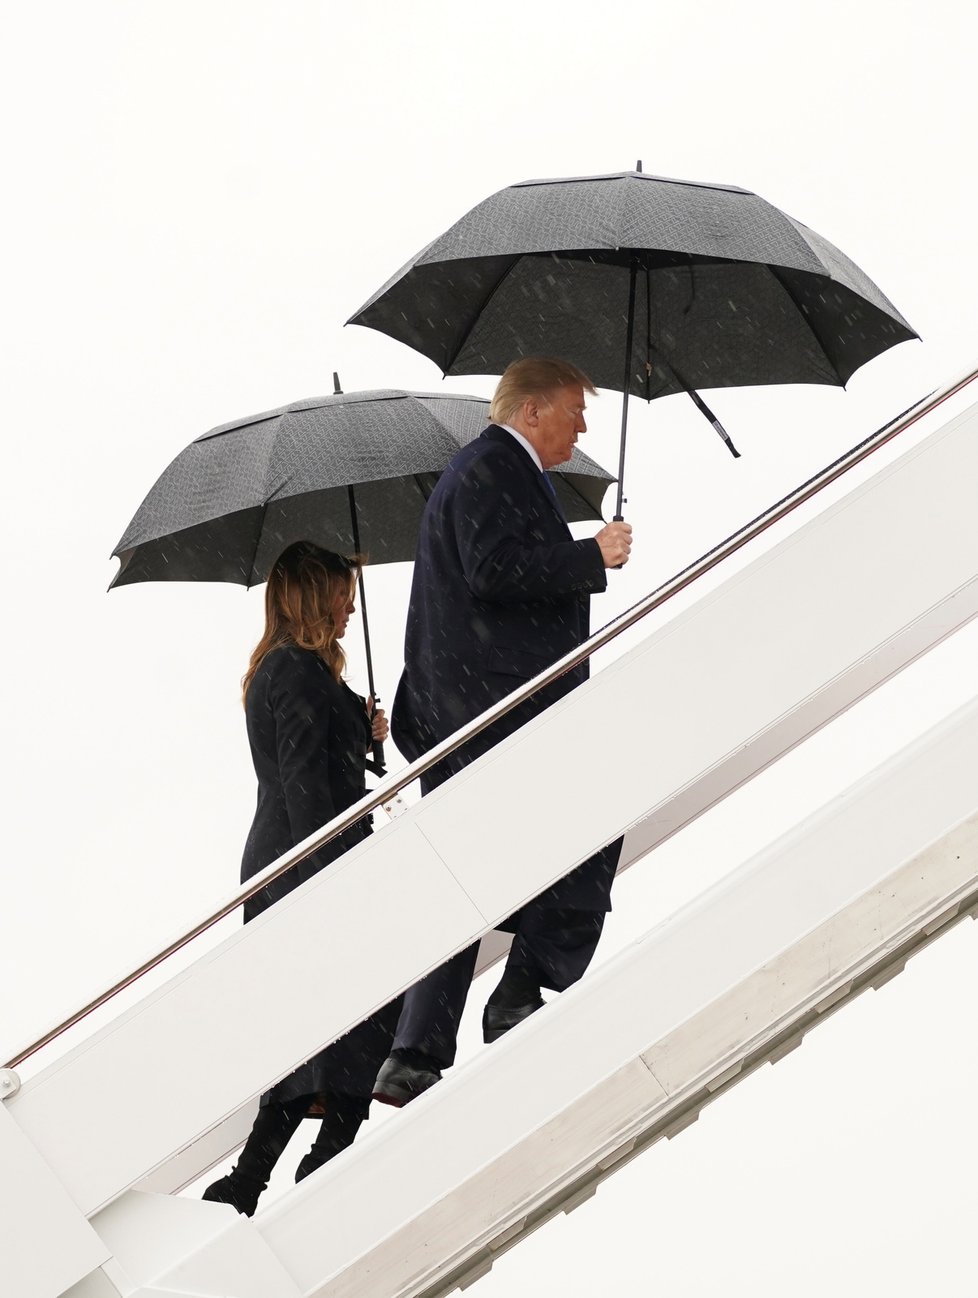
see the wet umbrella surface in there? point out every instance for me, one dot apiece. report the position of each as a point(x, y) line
point(652, 286)
point(350, 472)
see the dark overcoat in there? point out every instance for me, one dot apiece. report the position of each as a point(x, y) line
point(309, 735)
point(501, 590)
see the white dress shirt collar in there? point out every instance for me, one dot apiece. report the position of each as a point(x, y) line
point(530, 450)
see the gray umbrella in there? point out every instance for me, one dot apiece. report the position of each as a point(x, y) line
point(350, 472)
point(652, 286)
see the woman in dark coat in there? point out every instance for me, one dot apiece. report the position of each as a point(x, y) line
point(309, 736)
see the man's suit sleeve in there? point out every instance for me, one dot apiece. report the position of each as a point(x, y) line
point(300, 698)
point(500, 561)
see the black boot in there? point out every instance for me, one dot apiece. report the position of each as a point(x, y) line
point(240, 1191)
point(340, 1124)
point(274, 1127)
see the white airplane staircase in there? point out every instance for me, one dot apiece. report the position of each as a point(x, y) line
point(94, 1146)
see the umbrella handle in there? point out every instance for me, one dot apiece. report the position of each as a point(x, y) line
point(376, 765)
point(619, 518)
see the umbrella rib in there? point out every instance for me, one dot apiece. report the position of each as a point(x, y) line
point(648, 332)
point(269, 449)
point(251, 567)
point(494, 289)
point(420, 486)
point(776, 275)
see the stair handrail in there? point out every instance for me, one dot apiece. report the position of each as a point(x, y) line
point(390, 787)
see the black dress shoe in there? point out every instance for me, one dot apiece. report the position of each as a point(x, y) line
point(498, 1019)
point(399, 1083)
point(237, 1189)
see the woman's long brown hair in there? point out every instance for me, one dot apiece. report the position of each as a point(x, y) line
point(303, 586)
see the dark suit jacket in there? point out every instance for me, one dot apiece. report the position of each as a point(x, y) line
point(501, 590)
point(309, 735)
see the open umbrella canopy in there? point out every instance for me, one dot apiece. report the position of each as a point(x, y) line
point(726, 290)
point(350, 472)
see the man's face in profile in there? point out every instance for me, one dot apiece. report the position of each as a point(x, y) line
point(560, 423)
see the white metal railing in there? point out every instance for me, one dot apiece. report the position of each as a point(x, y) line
point(390, 787)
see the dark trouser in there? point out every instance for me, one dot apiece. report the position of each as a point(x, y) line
point(553, 945)
point(277, 1123)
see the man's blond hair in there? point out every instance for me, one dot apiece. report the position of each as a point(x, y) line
point(533, 376)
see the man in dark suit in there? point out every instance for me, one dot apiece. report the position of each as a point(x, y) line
point(501, 590)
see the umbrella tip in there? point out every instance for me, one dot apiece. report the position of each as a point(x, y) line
point(638, 165)
point(337, 390)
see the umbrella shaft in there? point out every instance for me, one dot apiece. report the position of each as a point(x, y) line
point(629, 339)
point(355, 528)
point(366, 636)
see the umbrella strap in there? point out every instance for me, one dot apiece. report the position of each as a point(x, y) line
point(694, 396)
point(705, 409)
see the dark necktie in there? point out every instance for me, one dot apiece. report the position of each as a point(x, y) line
point(548, 482)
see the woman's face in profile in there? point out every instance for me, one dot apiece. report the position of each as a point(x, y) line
point(343, 608)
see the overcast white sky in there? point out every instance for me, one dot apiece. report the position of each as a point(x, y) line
point(198, 195)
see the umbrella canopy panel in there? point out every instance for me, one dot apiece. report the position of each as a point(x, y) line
point(729, 290)
point(238, 495)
